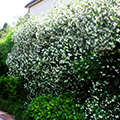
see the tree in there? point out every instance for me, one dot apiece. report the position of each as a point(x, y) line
point(5, 30)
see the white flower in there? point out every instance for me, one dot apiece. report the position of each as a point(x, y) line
point(118, 30)
point(103, 74)
point(117, 116)
point(43, 44)
point(115, 24)
point(100, 116)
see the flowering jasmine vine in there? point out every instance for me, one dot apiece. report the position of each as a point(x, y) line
point(46, 47)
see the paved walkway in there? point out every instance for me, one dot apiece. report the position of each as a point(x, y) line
point(5, 116)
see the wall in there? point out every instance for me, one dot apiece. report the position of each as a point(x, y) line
point(41, 7)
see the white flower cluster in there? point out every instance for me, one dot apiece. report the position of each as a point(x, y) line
point(45, 48)
point(101, 104)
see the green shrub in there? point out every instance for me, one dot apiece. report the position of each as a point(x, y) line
point(5, 48)
point(48, 107)
point(95, 68)
point(103, 103)
point(45, 49)
point(110, 63)
point(12, 89)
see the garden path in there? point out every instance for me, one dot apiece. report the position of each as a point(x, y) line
point(5, 116)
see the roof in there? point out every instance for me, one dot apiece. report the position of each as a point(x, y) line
point(32, 3)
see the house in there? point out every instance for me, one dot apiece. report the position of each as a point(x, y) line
point(36, 7)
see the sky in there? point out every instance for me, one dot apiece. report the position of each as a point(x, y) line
point(9, 9)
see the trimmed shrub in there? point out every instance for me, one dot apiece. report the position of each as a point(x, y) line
point(45, 49)
point(48, 107)
point(12, 89)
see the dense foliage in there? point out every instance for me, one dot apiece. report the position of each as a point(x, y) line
point(105, 67)
point(12, 92)
point(45, 49)
point(15, 109)
point(49, 107)
point(5, 47)
point(103, 102)
point(4, 31)
point(12, 89)
point(74, 48)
